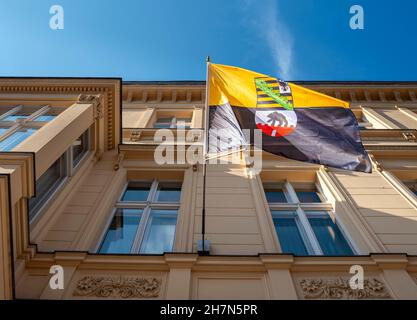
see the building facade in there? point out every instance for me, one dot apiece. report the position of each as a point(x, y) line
point(83, 193)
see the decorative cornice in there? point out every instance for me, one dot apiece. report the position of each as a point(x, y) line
point(123, 287)
point(95, 100)
point(340, 289)
point(409, 136)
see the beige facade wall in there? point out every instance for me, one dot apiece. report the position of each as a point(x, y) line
point(389, 215)
point(82, 208)
point(232, 224)
point(375, 210)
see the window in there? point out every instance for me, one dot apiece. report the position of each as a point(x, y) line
point(53, 178)
point(13, 138)
point(20, 122)
point(144, 219)
point(45, 118)
point(303, 220)
point(288, 228)
point(172, 122)
point(80, 147)
point(47, 184)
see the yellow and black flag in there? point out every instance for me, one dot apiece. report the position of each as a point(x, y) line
point(295, 122)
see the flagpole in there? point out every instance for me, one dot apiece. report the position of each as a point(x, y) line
point(205, 153)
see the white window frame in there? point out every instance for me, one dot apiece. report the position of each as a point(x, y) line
point(21, 124)
point(301, 215)
point(145, 221)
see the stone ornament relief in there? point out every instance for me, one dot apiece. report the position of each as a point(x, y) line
point(123, 287)
point(340, 289)
point(95, 100)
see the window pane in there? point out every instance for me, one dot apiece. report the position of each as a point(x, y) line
point(308, 196)
point(122, 231)
point(136, 191)
point(163, 123)
point(289, 235)
point(16, 116)
point(161, 231)
point(46, 184)
point(159, 125)
point(45, 118)
point(15, 138)
point(79, 148)
point(2, 130)
point(275, 195)
point(331, 239)
point(168, 192)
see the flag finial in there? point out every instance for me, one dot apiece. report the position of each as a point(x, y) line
point(208, 59)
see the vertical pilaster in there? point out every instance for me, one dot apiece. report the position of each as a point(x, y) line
point(396, 276)
point(279, 277)
point(179, 279)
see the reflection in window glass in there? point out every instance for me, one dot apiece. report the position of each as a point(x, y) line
point(45, 118)
point(2, 130)
point(155, 231)
point(163, 123)
point(14, 117)
point(308, 196)
point(159, 237)
point(183, 123)
point(275, 195)
point(136, 191)
point(15, 138)
point(288, 234)
point(328, 234)
point(122, 231)
point(168, 192)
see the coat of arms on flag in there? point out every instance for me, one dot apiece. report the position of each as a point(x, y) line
point(274, 114)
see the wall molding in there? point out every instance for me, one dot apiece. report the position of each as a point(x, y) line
point(118, 287)
point(339, 288)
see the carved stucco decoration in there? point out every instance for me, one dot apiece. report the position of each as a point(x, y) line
point(124, 287)
point(340, 289)
point(135, 136)
point(94, 99)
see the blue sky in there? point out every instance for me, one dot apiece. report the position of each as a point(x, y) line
point(169, 40)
